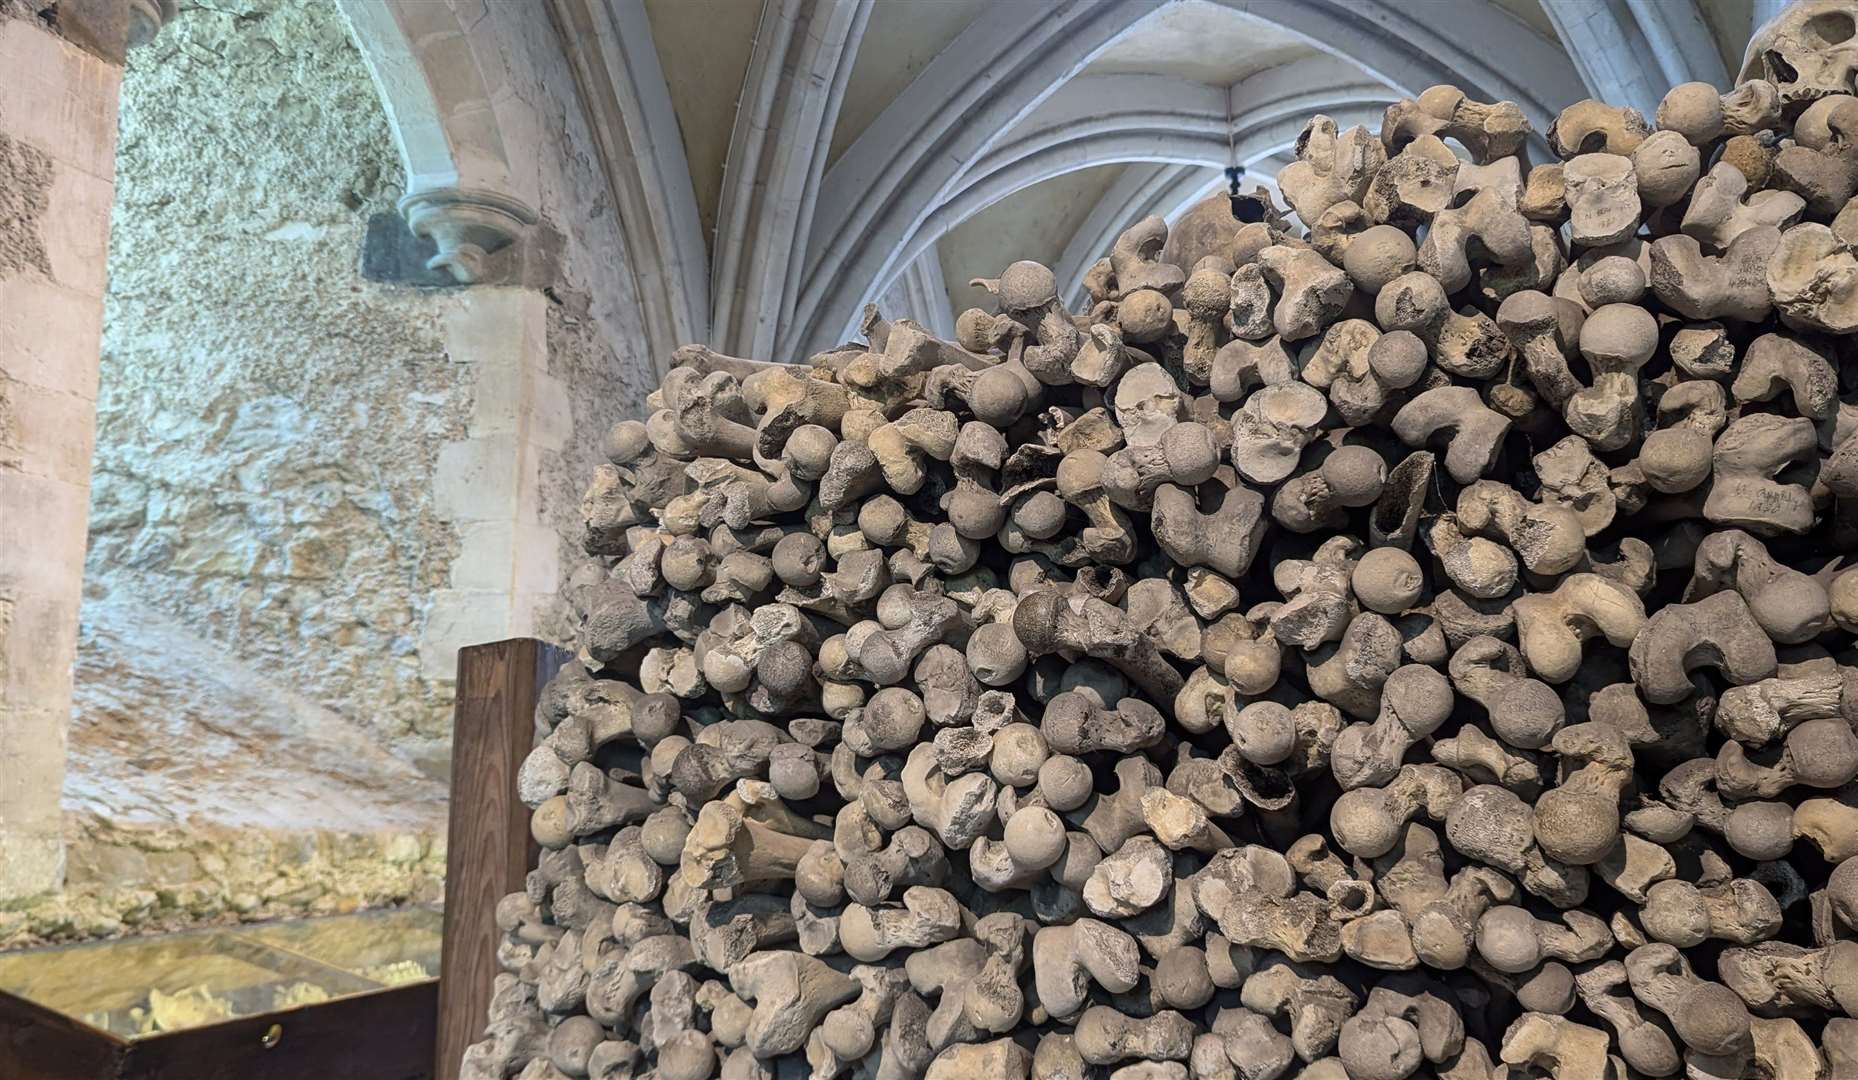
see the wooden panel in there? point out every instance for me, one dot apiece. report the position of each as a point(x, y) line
point(45, 1045)
point(386, 1035)
point(489, 849)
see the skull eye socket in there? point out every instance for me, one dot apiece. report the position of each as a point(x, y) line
point(1831, 27)
point(1779, 69)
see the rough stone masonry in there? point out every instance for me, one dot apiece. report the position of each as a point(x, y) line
point(1413, 640)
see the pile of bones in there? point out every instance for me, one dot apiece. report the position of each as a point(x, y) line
point(1409, 642)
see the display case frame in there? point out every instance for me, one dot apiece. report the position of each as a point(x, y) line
point(58, 1022)
point(413, 1032)
point(385, 1034)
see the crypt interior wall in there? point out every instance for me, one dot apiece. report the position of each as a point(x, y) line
point(252, 732)
point(311, 488)
point(268, 421)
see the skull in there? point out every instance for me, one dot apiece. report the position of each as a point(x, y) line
point(1807, 51)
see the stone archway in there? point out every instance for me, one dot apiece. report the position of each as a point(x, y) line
point(441, 91)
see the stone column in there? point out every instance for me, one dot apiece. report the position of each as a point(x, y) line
point(489, 484)
point(57, 174)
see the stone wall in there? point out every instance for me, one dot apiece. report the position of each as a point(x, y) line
point(595, 286)
point(311, 488)
point(253, 732)
point(597, 360)
point(202, 789)
point(268, 422)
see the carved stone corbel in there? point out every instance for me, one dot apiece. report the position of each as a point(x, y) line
point(469, 226)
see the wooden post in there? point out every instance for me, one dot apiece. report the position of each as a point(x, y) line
point(489, 850)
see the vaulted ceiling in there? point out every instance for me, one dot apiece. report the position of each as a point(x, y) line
point(842, 151)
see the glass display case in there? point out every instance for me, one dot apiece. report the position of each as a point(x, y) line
point(259, 985)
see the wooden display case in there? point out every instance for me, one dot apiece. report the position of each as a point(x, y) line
point(353, 996)
point(66, 1013)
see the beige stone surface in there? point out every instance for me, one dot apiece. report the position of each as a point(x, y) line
point(146, 879)
point(45, 326)
point(270, 423)
point(56, 136)
point(171, 729)
point(704, 47)
point(1199, 41)
point(59, 98)
point(200, 790)
point(309, 489)
point(899, 42)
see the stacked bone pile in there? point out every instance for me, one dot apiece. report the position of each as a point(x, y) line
point(1400, 644)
